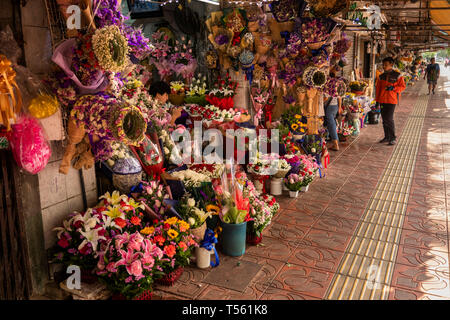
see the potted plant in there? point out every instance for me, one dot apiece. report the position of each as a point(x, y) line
point(294, 183)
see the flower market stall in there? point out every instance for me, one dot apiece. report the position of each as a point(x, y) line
point(167, 204)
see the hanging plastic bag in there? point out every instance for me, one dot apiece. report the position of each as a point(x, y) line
point(28, 144)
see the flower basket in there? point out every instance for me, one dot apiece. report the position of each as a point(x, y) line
point(253, 239)
point(199, 232)
point(177, 99)
point(170, 278)
point(146, 295)
point(281, 173)
point(315, 45)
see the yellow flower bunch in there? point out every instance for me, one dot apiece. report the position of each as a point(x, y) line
point(148, 230)
point(171, 221)
point(183, 225)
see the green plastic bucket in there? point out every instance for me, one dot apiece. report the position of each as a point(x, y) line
point(233, 238)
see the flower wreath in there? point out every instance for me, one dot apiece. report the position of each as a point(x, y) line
point(132, 118)
point(111, 49)
point(314, 77)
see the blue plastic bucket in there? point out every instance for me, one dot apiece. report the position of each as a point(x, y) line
point(233, 238)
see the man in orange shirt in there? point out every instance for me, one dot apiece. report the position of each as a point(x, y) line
point(388, 88)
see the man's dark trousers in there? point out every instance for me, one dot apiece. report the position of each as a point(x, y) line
point(387, 113)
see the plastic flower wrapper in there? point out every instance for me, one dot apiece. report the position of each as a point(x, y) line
point(235, 207)
point(29, 146)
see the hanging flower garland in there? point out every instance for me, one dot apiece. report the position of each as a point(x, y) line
point(111, 49)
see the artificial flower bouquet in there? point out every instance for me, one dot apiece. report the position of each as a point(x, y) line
point(223, 93)
point(129, 264)
point(197, 91)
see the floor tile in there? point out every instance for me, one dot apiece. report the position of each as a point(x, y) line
point(272, 248)
point(435, 282)
point(302, 279)
point(316, 257)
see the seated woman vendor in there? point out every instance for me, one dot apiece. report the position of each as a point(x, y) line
point(160, 92)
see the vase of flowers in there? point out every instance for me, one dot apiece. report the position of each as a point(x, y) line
point(234, 217)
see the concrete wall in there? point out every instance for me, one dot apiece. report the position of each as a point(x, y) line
point(49, 196)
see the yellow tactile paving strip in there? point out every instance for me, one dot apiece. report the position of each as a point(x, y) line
point(366, 268)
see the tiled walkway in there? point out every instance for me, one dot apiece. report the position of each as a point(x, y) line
point(375, 228)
